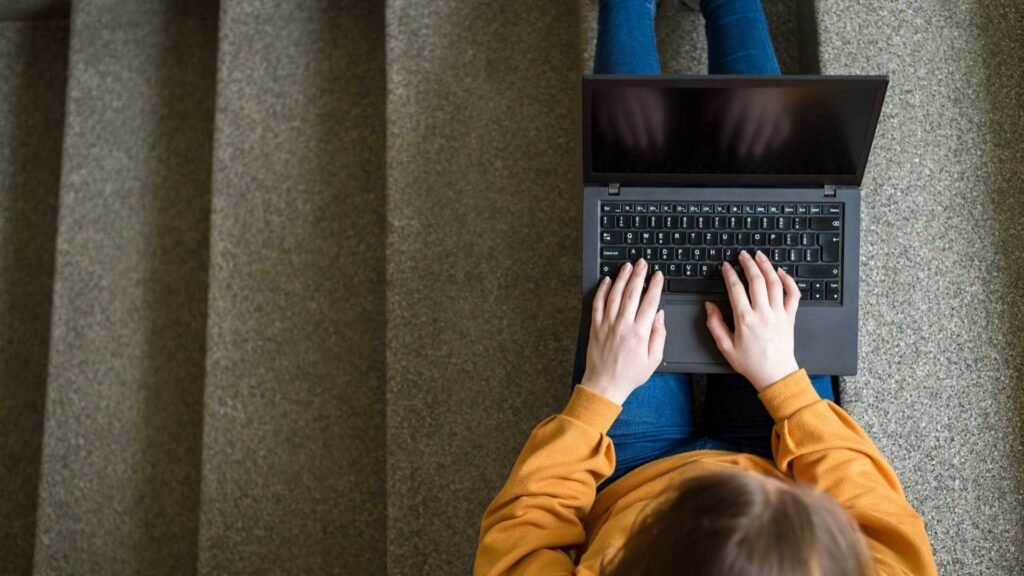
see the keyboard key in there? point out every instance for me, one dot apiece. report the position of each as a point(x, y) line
point(714, 254)
point(710, 238)
point(679, 208)
point(607, 221)
point(760, 209)
point(730, 255)
point(783, 223)
point(706, 208)
point(627, 209)
point(726, 238)
point(686, 222)
point(778, 255)
point(690, 271)
point(670, 222)
point(638, 222)
point(817, 296)
point(608, 268)
point(801, 209)
point(735, 223)
point(829, 247)
point(706, 270)
point(767, 223)
point(792, 239)
point(693, 238)
point(803, 285)
point(833, 209)
point(613, 253)
point(611, 208)
point(818, 285)
point(694, 208)
point(795, 255)
point(629, 237)
point(703, 222)
point(679, 238)
point(774, 239)
point(735, 209)
point(696, 254)
point(666, 208)
point(622, 221)
point(633, 253)
point(654, 222)
point(787, 268)
point(718, 222)
point(799, 223)
point(657, 267)
point(815, 210)
point(674, 269)
point(832, 296)
point(789, 209)
point(748, 209)
point(831, 285)
point(817, 271)
point(649, 254)
point(743, 238)
point(640, 208)
point(611, 237)
point(665, 254)
point(721, 208)
point(811, 255)
point(697, 286)
point(807, 240)
point(750, 223)
point(646, 237)
point(682, 254)
point(758, 239)
point(774, 209)
point(652, 209)
point(826, 224)
point(661, 238)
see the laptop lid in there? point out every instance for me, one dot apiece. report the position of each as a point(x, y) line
point(729, 130)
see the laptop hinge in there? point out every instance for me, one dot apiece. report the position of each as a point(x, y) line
point(613, 189)
point(830, 191)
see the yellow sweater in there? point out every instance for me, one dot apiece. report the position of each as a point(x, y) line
point(548, 518)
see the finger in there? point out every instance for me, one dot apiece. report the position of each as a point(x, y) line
point(771, 281)
point(656, 346)
point(600, 301)
point(755, 281)
point(615, 292)
point(631, 296)
point(733, 286)
point(792, 293)
point(651, 301)
point(719, 331)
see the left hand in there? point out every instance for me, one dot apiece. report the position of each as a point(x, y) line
point(627, 335)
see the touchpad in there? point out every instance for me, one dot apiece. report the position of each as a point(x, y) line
point(688, 337)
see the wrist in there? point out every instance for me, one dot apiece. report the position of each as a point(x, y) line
point(766, 379)
point(604, 388)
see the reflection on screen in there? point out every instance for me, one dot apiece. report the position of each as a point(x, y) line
point(813, 129)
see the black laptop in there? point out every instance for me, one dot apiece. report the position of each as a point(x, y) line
point(686, 172)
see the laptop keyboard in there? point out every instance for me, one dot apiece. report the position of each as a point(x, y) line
point(689, 241)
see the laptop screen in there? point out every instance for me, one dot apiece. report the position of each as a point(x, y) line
point(722, 130)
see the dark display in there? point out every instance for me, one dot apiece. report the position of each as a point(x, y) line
point(809, 128)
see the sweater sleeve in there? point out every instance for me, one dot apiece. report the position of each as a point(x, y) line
point(537, 518)
point(815, 441)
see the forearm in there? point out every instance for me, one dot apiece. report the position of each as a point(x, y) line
point(542, 507)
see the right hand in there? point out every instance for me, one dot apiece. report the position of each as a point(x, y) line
point(761, 346)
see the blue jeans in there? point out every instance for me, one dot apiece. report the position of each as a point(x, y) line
point(657, 419)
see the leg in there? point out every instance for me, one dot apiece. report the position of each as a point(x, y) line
point(738, 39)
point(625, 38)
point(734, 414)
point(656, 421)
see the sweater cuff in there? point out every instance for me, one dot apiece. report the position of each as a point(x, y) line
point(592, 409)
point(785, 397)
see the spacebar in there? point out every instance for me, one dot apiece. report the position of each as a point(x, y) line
point(697, 286)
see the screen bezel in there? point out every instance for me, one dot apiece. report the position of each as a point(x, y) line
point(590, 81)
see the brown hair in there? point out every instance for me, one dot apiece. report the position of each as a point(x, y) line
point(739, 523)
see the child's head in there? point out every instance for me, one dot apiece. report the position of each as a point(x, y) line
point(739, 523)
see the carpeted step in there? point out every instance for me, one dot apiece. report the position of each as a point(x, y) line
point(33, 67)
point(119, 489)
point(939, 388)
point(293, 452)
